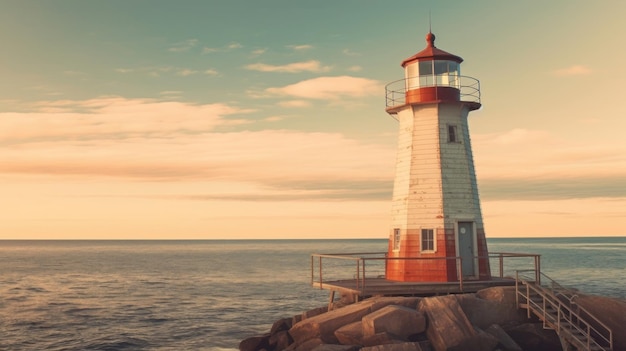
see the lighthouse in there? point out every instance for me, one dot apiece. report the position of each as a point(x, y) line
point(437, 232)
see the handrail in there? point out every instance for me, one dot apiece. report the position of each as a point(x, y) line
point(361, 261)
point(564, 311)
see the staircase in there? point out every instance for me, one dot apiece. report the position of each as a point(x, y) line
point(556, 307)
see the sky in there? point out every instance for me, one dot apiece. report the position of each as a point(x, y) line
point(154, 119)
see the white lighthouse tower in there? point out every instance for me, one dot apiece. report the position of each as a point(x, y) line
point(436, 216)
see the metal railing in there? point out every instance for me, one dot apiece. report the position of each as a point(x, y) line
point(555, 305)
point(357, 267)
point(468, 87)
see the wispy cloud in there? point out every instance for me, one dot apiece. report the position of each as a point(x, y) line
point(535, 164)
point(355, 68)
point(348, 52)
point(300, 47)
point(184, 45)
point(158, 71)
point(307, 66)
point(258, 52)
point(186, 72)
point(330, 88)
point(295, 103)
point(111, 117)
point(228, 47)
point(574, 70)
point(148, 139)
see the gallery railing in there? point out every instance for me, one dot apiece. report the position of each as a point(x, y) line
point(356, 268)
point(469, 88)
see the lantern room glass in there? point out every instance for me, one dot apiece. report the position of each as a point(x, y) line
point(433, 73)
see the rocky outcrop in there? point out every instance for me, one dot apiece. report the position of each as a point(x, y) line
point(611, 312)
point(486, 321)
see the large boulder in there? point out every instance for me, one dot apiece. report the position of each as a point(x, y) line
point(323, 326)
point(407, 346)
point(532, 336)
point(505, 342)
point(254, 343)
point(350, 334)
point(332, 347)
point(611, 312)
point(381, 338)
point(492, 306)
point(448, 326)
point(396, 320)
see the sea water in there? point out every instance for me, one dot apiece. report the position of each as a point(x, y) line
point(209, 295)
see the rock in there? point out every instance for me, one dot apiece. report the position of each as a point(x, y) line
point(381, 338)
point(296, 319)
point(407, 346)
point(532, 336)
point(410, 302)
point(314, 312)
point(447, 324)
point(350, 334)
point(396, 320)
point(308, 345)
point(480, 342)
point(324, 325)
point(491, 306)
point(280, 325)
point(280, 341)
point(611, 312)
point(254, 343)
point(330, 347)
point(505, 342)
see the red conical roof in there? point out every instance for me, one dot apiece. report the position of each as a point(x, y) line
point(431, 53)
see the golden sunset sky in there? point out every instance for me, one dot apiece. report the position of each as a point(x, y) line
point(266, 119)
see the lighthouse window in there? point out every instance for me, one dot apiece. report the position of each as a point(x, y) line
point(426, 68)
point(396, 239)
point(453, 135)
point(428, 240)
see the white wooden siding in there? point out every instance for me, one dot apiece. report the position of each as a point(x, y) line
point(435, 180)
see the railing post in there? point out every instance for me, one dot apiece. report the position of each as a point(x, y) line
point(312, 269)
point(363, 282)
point(320, 271)
point(460, 267)
point(501, 266)
point(538, 269)
point(358, 272)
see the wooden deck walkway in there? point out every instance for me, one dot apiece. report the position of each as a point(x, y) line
point(382, 286)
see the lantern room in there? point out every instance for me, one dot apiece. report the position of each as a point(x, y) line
point(433, 75)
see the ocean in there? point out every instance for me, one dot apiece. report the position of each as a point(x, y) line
point(209, 295)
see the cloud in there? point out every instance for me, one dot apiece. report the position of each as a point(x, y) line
point(186, 72)
point(330, 88)
point(347, 52)
point(307, 66)
point(158, 71)
point(229, 47)
point(300, 47)
point(258, 52)
point(355, 68)
point(182, 46)
point(295, 103)
point(112, 118)
point(574, 70)
point(147, 140)
point(535, 164)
